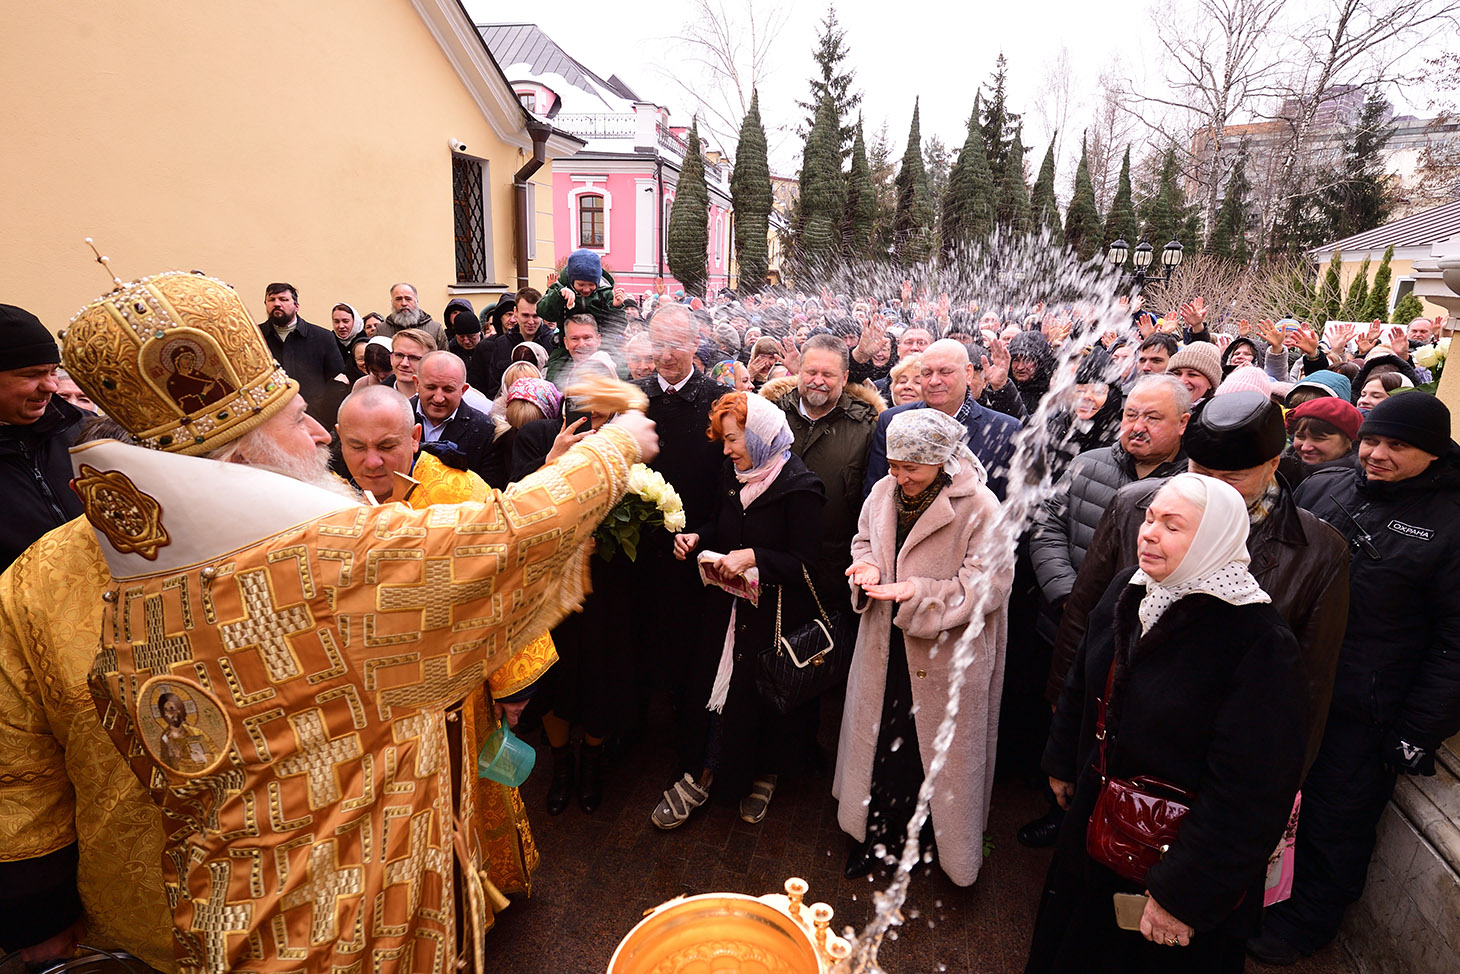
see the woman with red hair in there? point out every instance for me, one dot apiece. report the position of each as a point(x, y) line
point(769, 519)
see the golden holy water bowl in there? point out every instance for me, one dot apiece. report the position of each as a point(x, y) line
point(731, 933)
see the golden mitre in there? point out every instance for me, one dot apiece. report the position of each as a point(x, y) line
point(178, 361)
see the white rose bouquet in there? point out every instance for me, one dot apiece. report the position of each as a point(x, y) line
point(650, 501)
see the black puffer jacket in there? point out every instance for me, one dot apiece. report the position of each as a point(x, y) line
point(1399, 667)
point(1065, 526)
point(35, 477)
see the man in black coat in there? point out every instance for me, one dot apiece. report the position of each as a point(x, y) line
point(679, 403)
point(37, 428)
point(307, 352)
point(1396, 696)
point(463, 435)
point(529, 328)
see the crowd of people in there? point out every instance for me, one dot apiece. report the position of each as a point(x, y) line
point(1230, 591)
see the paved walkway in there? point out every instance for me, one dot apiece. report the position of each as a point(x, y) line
point(599, 873)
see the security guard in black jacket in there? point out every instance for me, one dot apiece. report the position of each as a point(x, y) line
point(1396, 695)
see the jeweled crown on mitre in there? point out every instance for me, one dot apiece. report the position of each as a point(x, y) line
point(178, 361)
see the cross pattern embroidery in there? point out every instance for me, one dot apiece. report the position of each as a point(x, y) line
point(437, 685)
point(422, 857)
point(318, 756)
point(436, 594)
point(266, 627)
point(215, 919)
point(160, 651)
point(327, 883)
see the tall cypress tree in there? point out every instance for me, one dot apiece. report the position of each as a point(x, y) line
point(859, 222)
point(1164, 215)
point(823, 200)
point(833, 79)
point(1229, 236)
point(1014, 214)
point(1378, 307)
point(1328, 298)
point(1358, 199)
point(1082, 221)
point(688, 246)
point(912, 223)
point(1120, 219)
point(1357, 299)
point(750, 193)
point(1042, 201)
point(997, 119)
point(968, 204)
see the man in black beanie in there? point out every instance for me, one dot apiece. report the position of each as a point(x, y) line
point(37, 427)
point(1296, 558)
point(1397, 694)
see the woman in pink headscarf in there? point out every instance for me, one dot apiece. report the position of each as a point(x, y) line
point(769, 519)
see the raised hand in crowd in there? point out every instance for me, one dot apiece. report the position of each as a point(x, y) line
point(790, 355)
point(1338, 335)
point(907, 292)
point(1364, 341)
point(1244, 328)
point(996, 364)
point(1305, 340)
point(566, 437)
point(874, 332)
point(1223, 341)
point(1269, 332)
point(1397, 338)
point(1056, 330)
point(1194, 314)
point(618, 297)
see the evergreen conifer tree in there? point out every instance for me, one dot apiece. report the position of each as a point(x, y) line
point(1357, 299)
point(912, 223)
point(968, 203)
point(1014, 214)
point(1328, 297)
point(1082, 221)
point(1042, 202)
point(1378, 307)
point(1164, 215)
point(751, 198)
point(833, 79)
point(1359, 199)
point(1120, 219)
point(688, 246)
point(998, 121)
point(859, 223)
point(1228, 239)
point(1409, 308)
point(823, 200)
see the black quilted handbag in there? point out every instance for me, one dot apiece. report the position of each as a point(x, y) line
point(810, 659)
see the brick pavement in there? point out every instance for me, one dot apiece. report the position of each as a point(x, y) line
point(599, 873)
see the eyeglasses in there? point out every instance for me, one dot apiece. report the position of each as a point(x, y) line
point(404, 357)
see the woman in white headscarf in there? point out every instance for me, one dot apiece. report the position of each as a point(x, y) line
point(349, 331)
point(1206, 694)
point(769, 519)
point(919, 582)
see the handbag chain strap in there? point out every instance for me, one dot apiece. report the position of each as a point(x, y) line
point(816, 598)
point(1104, 707)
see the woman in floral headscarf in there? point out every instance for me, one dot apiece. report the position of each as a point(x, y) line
point(920, 583)
point(769, 519)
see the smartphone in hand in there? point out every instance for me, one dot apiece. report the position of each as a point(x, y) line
point(1129, 908)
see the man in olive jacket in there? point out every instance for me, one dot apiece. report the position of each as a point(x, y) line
point(832, 422)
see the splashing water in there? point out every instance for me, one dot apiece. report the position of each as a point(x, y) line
point(1007, 275)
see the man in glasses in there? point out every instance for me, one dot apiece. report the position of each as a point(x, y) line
point(1396, 696)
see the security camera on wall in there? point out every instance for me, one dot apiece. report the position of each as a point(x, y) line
point(457, 145)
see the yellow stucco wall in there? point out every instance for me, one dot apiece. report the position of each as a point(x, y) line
point(257, 141)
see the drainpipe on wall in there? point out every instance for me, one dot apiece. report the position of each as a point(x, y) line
point(539, 132)
point(659, 213)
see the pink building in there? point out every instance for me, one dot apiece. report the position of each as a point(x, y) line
point(613, 196)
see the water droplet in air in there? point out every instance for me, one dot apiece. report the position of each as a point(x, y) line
point(897, 743)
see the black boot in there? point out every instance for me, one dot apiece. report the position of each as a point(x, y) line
point(562, 784)
point(1043, 831)
point(590, 777)
point(861, 860)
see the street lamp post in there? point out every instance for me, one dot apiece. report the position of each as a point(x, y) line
point(1142, 257)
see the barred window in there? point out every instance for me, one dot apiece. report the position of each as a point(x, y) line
point(590, 220)
point(473, 250)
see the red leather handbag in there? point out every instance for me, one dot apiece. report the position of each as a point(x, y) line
point(1135, 820)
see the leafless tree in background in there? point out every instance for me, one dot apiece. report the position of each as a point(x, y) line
point(1057, 99)
point(1112, 127)
point(1347, 42)
point(731, 46)
point(1220, 59)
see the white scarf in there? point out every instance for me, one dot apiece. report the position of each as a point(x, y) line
point(1215, 564)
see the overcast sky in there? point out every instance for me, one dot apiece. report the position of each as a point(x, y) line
point(937, 51)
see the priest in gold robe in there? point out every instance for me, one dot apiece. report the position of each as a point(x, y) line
point(316, 647)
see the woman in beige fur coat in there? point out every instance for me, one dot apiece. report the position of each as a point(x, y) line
point(918, 580)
